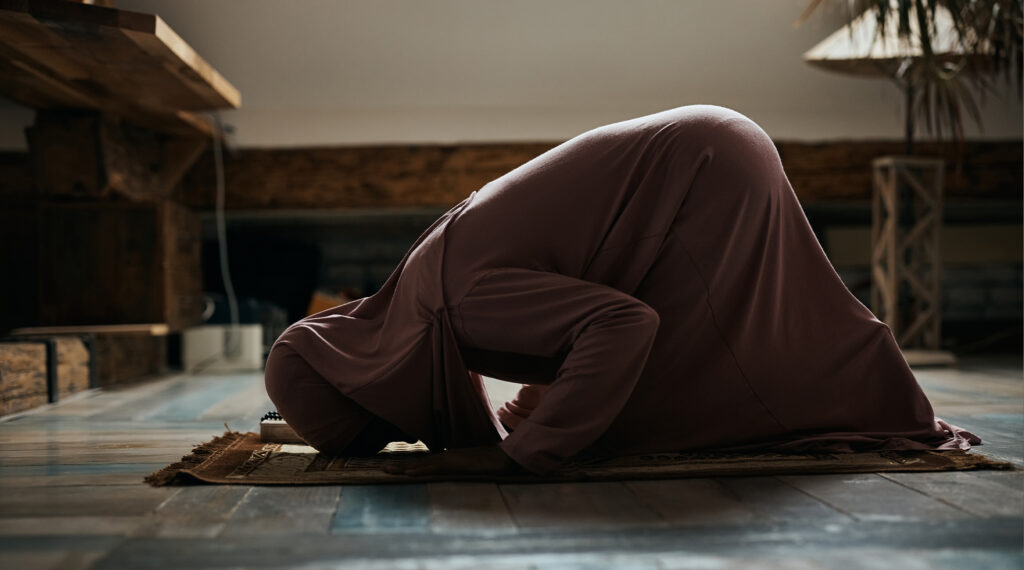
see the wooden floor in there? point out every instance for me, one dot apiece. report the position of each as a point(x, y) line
point(71, 496)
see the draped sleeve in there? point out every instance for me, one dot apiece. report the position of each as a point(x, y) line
point(605, 334)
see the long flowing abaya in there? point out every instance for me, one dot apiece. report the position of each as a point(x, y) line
point(658, 275)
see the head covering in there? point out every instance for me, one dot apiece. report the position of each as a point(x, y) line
point(393, 354)
point(316, 410)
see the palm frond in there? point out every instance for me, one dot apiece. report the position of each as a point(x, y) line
point(987, 44)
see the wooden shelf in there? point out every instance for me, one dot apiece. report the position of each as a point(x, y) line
point(147, 329)
point(56, 54)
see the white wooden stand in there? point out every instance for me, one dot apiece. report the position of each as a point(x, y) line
point(909, 257)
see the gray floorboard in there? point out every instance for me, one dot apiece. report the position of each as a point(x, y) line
point(71, 496)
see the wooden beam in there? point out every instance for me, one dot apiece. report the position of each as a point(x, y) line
point(441, 175)
point(210, 88)
point(101, 155)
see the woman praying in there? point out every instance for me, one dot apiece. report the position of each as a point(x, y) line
point(653, 283)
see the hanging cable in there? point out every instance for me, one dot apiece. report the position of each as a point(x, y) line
point(233, 338)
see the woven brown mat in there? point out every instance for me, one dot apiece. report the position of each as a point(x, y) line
point(242, 459)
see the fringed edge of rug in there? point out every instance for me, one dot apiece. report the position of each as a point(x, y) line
point(968, 461)
point(174, 473)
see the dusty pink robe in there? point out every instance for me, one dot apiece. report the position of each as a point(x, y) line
point(659, 275)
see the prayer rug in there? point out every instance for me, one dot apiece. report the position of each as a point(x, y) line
point(243, 459)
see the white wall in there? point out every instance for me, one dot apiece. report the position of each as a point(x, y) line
point(320, 72)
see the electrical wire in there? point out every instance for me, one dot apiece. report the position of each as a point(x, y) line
point(233, 338)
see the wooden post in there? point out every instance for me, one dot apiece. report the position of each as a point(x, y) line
point(118, 262)
point(908, 261)
point(114, 248)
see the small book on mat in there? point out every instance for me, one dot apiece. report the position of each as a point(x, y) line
point(273, 429)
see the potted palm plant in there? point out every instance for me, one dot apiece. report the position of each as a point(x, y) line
point(945, 56)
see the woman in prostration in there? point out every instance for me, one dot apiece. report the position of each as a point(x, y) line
point(654, 284)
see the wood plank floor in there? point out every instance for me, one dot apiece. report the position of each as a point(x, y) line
point(71, 496)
